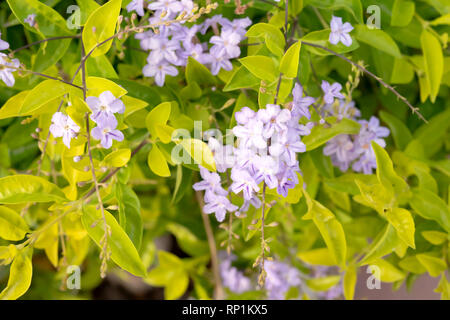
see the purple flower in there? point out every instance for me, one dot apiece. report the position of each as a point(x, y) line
point(343, 110)
point(232, 278)
point(280, 277)
point(220, 62)
point(251, 135)
point(136, 5)
point(106, 133)
point(237, 25)
point(300, 104)
point(340, 148)
point(213, 22)
point(331, 91)
point(31, 20)
point(267, 169)
point(255, 202)
point(227, 44)
point(159, 71)
point(274, 119)
point(3, 44)
point(162, 49)
point(211, 183)
point(340, 32)
point(288, 149)
point(243, 181)
point(244, 115)
point(6, 73)
point(223, 154)
point(219, 205)
point(169, 6)
point(63, 126)
point(104, 107)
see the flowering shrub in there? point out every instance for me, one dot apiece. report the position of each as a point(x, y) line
point(283, 145)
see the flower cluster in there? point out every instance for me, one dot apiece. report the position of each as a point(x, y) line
point(63, 126)
point(171, 46)
point(232, 278)
point(355, 150)
point(7, 65)
point(280, 278)
point(265, 153)
point(103, 109)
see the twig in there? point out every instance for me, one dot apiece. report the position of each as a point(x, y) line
point(45, 40)
point(390, 88)
point(218, 288)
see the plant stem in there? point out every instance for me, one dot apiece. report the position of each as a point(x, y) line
point(45, 40)
point(218, 288)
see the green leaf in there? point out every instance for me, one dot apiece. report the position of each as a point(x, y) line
point(400, 132)
point(349, 282)
point(100, 26)
point(433, 62)
point(412, 264)
point(86, 7)
point(402, 13)
point(50, 53)
point(132, 105)
point(388, 272)
point(290, 60)
point(383, 244)
point(321, 256)
point(378, 39)
point(330, 229)
point(324, 283)
point(403, 222)
point(431, 135)
point(20, 276)
point(100, 67)
point(118, 158)
point(386, 174)
point(272, 36)
point(241, 78)
point(198, 73)
point(200, 152)
point(42, 94)
point(187, 241)
point(49, 21)
point(130, 213)
point(12, 107)
point(445, 19)
point(322, 38)
point(435, 266)
point(261, 67)
point(435, 237)
point(352, 6)
point(320, 134)
point(430, 206)
point(23, 188)
point(159, 115)
point(12, 226)
point(402, 72)
point(97, 85)
point(157, 162)
point(123, 252)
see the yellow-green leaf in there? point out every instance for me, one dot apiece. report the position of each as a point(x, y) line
point(118, 158)
point(157, 162)
point(200, 152)
point(321, 256)
point(435, 266)
point(289, 62)
point(100, 26)
point(435, 237)
point(349, 282)
point(159, 115)
point(401, 219)
point(20, 276)
point(43, 93)
point(433, 62)
point(261, 67)
point(12, 226)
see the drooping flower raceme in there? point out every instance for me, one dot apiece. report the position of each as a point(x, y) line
point(63, 126)
point(340, 32)
point(174, 43)
point(232, 278)
point(280, 277)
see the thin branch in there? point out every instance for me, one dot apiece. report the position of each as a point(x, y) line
point(78, 36)
point(218, 288)
point(390, 88)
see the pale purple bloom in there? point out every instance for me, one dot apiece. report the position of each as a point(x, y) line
point(168, 6)
point(280, 278)
point(212, 22)
point(162, 49)
point(220, 62)
point(223, 154)
point(106, 133)
point(288, 149)
point(274, 119)
point(7, 67)
point(244, 115)
point(219, 205)
point(136, 5)
point(31, 20)
point(331, 91)
point(159, 71)
point(267, 170)
point(227, 44)
point(237, 25)
point(3, 44)
point(251, 135)
point(300, 104)
point(104, 107)
point(211, 183)
point(340, 148)
point(255, 202)
point(242, 181)
point(146, 39)
point(345, 109)
point(63, 126)
point(232, 278)
point(340, 32)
